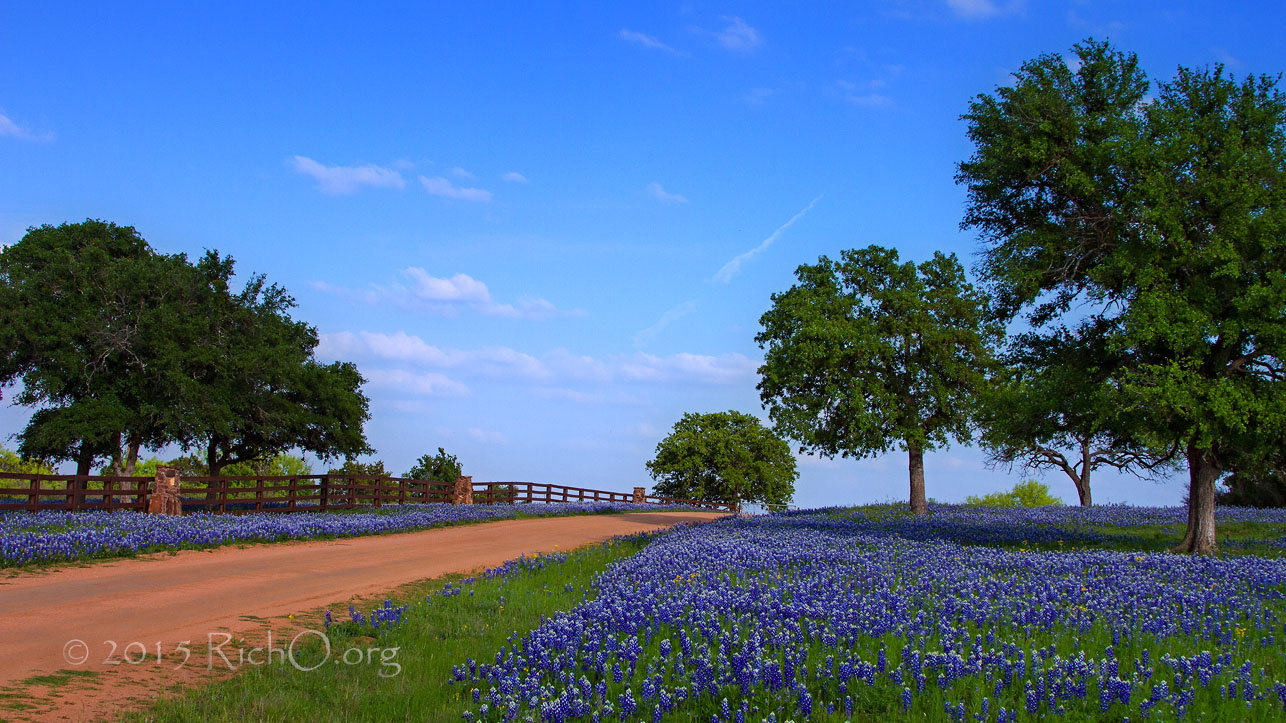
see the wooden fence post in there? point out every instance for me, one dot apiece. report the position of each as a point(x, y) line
point(325, 491)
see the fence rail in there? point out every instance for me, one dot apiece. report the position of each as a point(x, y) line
point(296, 493)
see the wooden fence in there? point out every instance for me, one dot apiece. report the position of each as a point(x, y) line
point(34, 492)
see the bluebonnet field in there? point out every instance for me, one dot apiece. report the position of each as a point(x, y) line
point(861, 614)
point(41, 537)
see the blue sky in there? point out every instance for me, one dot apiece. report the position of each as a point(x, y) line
point(546, 231)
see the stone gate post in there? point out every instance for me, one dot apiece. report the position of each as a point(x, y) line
point(463, 490)
point(165, 499)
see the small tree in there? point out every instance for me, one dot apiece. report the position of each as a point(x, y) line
point(441, 467)
point(869, 353)
point(724, 457)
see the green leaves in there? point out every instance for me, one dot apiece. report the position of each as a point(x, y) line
point(1166, 220)
point(441, 467)
point(724, 457)
point(117, 342)
point(868, 353)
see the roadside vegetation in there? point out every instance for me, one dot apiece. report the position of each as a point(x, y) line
point(966, 613)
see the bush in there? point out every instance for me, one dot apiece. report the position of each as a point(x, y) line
point(1028, 493)
point(11, 462)
point(441, 467)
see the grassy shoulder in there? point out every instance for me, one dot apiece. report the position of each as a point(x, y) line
point(400, 672)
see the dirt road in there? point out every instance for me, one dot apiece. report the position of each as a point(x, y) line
point(53, 619)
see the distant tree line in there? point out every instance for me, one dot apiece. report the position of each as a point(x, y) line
point(120, 348)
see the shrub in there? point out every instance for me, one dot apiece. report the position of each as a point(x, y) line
point(1028, 493)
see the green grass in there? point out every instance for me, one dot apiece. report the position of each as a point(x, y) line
point(442, 633)
point(59, 678)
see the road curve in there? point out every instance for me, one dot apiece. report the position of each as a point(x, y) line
point(167, 598)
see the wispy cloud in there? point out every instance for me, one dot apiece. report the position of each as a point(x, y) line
point(431, 384)
point(459, 172)
point(757, 96)
point(485, 435)
point(977, 9)
point(514, 177)
point(730, 269)
point(645, 336)
point(446, 295)
point(339, 180)
point(1110, 27)
point(647, 41)
point(738, 35)
point(869, 100)
point(550, 372)
point(1228, 59)
point(11, 129)
point(687, 368)
point(659, 193)
point(439, 186)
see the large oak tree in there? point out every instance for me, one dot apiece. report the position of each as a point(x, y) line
point(1164, 219)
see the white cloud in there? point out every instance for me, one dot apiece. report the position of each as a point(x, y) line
point(645, 336)
point(429, 384)
point(688, 368)
point(660, 194)
point(337, 180)
point(459, 172)
point(460, 287)
point(446, 295)
point(984, 8)
point(730, 269)
point(13, 130)
point(757, 96)
point(646, 41)
point(514, 177)
point(439, 186)
point(553, 371)
point(527, 308)
point(738, 35)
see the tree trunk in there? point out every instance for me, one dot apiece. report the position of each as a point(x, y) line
point(131, 458)
point(84, 460)
point(214, 463)
point(117, 468)
point(915, 464)
point(1083, 483)
point(1203, 472)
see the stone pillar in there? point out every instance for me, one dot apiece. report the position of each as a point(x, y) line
point(463, 490)
point(638, 496)
point(165, 499)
